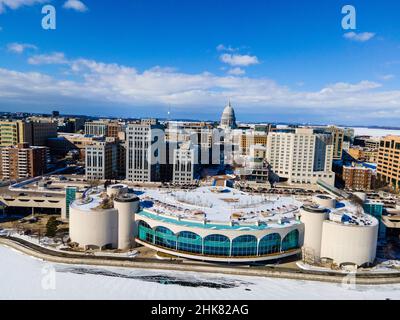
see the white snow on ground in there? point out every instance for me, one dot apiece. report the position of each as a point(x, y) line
point(389, 266)
point(22, 277)
point(49, 244)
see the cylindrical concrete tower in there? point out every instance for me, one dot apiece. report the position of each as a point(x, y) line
point(313, 218)
point(116, 189)
point(92, 227)
point(355, 244)
point(127, 205)
point(325, 201)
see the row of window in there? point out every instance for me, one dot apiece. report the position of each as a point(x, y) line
point(216, 244)
point(390, 144)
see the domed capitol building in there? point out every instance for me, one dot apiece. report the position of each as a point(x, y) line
point(228, 119)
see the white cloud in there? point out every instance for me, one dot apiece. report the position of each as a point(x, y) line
point(391, 63)
point(75, 5)
point(359, 37)
point(239, 60)
point(222, 47)
point(345, 87)
point(20, 47)
point(236, 71)
point(387, 77)
point(53, 58)
point(98, 83)
point(16, 4)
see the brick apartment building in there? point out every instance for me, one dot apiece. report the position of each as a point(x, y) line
point(22, 161)
point(358, 178)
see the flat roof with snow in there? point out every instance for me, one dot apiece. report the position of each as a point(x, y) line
point(221, 207)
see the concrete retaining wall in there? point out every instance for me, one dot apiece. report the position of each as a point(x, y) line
point(366, 279)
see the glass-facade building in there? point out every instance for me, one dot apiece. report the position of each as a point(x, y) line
point(375, 209)
point(240, 244)
point(70, 196)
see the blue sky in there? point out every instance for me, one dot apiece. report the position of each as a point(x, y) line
point(277, 60)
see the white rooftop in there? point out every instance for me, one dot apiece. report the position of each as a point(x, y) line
point(92, 200)
point(352, 218)
point(222, 204)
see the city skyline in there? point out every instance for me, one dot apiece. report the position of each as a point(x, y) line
point(190, 58)
point(204, 153)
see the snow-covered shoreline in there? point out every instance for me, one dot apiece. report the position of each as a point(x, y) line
point(23, 277)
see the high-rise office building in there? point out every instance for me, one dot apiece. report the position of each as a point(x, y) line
point(388, 169)
point(96, 128)
point(101, 160)
point(121, 159)
point(105, 128)
point(250, 138)
point(198, 133)
point(185, 164)
point(42, 131)
point(14, 132)
point(113, 129)
point(337, 141)
point(303, 156)
point(145, 152)
point(34, 133)
point(70, 125)
point(372, 143)
point(349, 134)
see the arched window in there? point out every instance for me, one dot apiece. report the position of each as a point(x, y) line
point(217, 245)
point(190, 242)
point(291, 241)
point(244, 246)
point(165, 238)
point(269, 244)
point(145, 232)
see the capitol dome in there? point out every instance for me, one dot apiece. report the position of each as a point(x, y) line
point(228, 119)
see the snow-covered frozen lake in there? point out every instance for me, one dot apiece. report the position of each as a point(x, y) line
point(23, 277)
point(375, 132)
